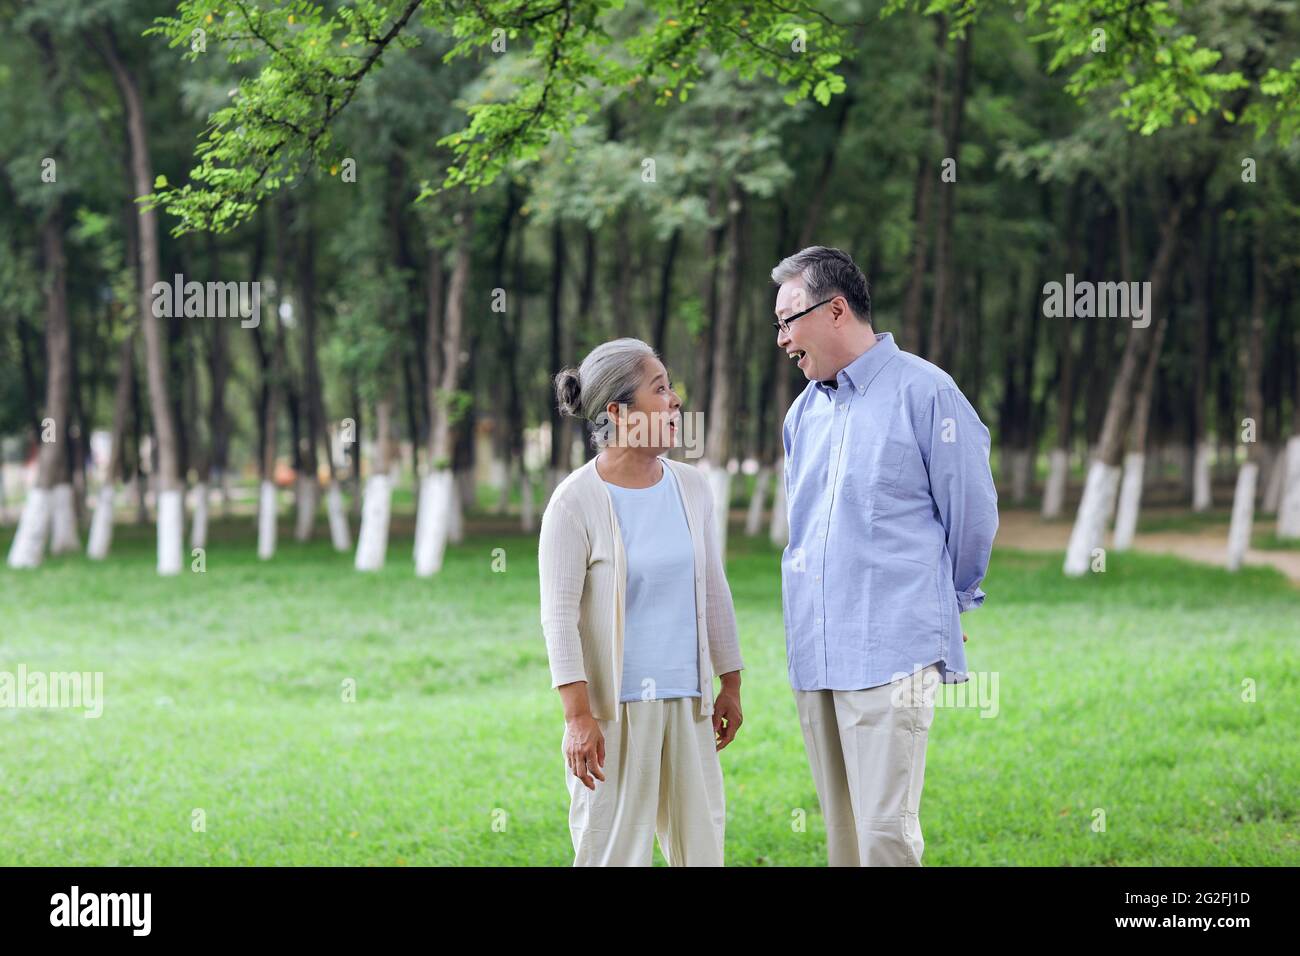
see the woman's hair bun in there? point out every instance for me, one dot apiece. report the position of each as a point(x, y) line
point(568, 392)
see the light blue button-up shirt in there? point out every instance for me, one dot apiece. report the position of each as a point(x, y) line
point(892, 516)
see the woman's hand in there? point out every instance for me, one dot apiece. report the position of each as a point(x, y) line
point(584, 749)
point(726, 710)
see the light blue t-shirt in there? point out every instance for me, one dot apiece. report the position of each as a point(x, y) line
point(659, 635)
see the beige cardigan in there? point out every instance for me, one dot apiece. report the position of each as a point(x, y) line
point(583, 571)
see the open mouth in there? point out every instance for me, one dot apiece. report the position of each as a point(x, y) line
point(797, 355)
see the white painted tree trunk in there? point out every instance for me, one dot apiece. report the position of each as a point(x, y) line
point(308, 498)
point(528, 507)
point(171, 530)
point(433, 522)
point(1089, 529)
point(340, 535)
point(101, 524)
point(1243, 514)
point(720, 485)
point(467, 485)
point(1202, 500)
point(199, 520)
point(1022, 474)
point(757, 502)
point(28, 547)
point(1058, 470)
point(779, 534)
point(456, 514)
point(1288, 509)
point(266, 518)
point(63, 521)
point(1181, 456)
point(372, 541)
point(501, 481)
point(1130, 501)
point(1273, 484)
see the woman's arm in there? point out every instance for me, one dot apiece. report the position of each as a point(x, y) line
point(719, 611)
point(584, 744)
point(562, 554)
point(724, 645)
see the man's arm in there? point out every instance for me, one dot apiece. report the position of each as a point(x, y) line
point(961, 483)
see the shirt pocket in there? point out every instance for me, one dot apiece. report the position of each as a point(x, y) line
point(879, 476)
point(892, 456)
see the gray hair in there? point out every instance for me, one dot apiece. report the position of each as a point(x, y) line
point(827, 272)
point(611, 373)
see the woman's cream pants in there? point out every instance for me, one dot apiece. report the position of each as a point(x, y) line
point(662, 776)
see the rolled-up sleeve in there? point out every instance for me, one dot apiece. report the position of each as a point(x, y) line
point(961, 482)
point(720, 612)
point(562, 553)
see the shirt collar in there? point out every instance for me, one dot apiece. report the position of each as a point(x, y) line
point(859, 373)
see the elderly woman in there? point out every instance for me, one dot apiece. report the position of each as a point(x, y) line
point(638, 619)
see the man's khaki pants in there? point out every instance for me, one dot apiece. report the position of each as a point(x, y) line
point(866, 749)
point(662, 775)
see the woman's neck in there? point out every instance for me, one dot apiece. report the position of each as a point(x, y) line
point(630, 467)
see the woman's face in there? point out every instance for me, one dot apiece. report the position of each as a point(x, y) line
point(653, 420)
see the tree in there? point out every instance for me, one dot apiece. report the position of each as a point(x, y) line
point(170, 503)
point(48, 514)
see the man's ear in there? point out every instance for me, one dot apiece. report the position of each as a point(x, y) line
point(840, 310)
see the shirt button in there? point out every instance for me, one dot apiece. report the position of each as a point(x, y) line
point(861, 390)
point(819, 620)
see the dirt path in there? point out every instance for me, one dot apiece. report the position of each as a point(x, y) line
point(1025, 530)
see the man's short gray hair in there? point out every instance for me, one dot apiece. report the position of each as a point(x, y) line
point(611, 373)
point(827, 272)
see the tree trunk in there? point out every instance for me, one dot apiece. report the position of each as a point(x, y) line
point(718, 440)
point(559, 458)
point(940, 325)
point(372, 541)
point(1130, 495)
point(47, 508)
point(218, 376)
point(911, 331)
point(1252, 364)
point(1058, 469)
point(273, 389)
point(434, 516)
point(164, 427)
point(711, 267)
point(101, 524)
point(1103, 472)
point(512, 326)
point(665, 292)
point(201, 451)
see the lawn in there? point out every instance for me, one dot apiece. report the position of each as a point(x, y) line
point(225, 693)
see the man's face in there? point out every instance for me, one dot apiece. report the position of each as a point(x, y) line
point(806, 342)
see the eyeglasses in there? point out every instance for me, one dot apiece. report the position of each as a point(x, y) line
point(783, 325)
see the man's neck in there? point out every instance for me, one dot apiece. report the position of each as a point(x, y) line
point(856, 351)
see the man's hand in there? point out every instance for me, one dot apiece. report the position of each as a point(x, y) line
point(726, 711)
point(584, 749)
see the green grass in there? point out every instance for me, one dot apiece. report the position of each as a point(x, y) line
point(1120, 691)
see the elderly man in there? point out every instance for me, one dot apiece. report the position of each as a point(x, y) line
point(892, 516)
